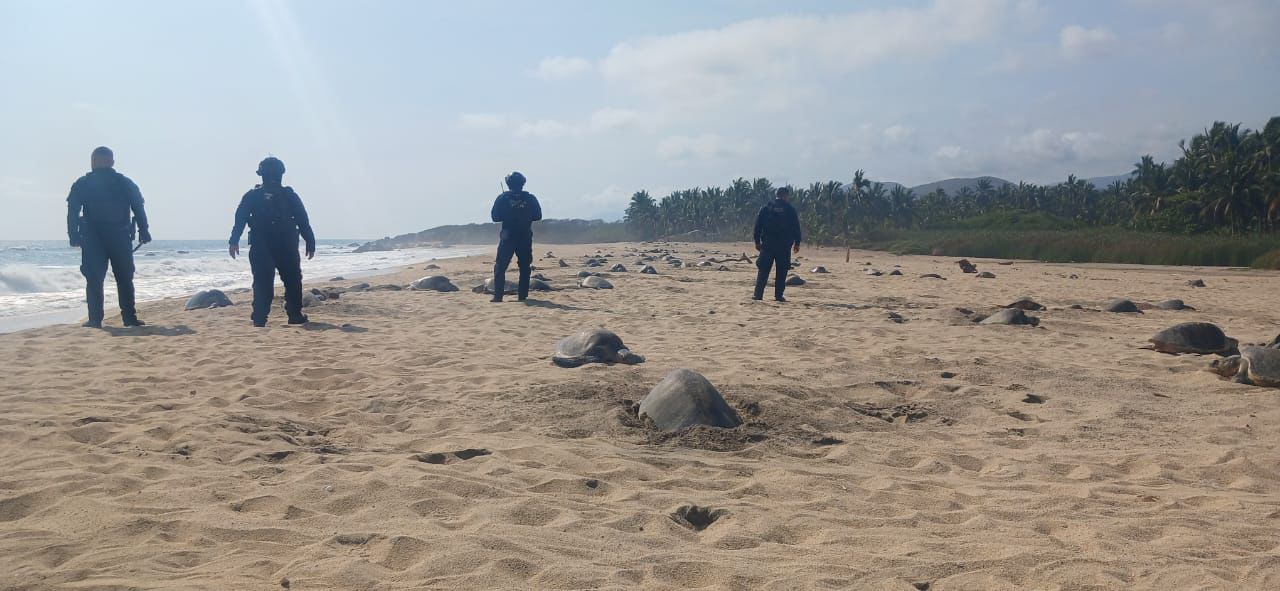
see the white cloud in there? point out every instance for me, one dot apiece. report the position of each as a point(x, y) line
point(609, 119)
point(561, 68)
point(482, 121)
point(611, 196)
point(544, 128)
point(711, 65)
point(1077, 42)
point(897, 134)
point(706, 146)
point(1043, 145)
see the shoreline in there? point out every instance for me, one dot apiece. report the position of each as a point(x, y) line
point(72, 316)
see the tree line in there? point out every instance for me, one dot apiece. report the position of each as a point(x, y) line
point(1226, 180)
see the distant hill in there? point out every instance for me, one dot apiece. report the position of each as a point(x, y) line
point(1103, 182)
point(546, 231)
point(953, 186)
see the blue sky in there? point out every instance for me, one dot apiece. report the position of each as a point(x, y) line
point(397, 116)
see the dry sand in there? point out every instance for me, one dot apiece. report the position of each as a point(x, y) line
point(422, 440)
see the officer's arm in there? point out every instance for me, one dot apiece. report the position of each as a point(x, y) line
point(758, 233)
point(74, 204)
point(242, 218)
point(499, 211)
point(795, 226)
point(304, 222)
point(537, 209)
point(135, 204)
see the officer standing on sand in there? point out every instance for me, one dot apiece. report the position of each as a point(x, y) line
point(276, 218)
point(105, 233)
point(516, 210)
point(777, 236)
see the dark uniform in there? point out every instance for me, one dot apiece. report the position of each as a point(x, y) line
point(105, 236)
point(276, 218)
point(517, 210)
point(777, 231)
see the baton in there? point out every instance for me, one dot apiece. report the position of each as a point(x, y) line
point(135, 249)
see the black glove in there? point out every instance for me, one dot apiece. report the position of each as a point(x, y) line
point(144, 236)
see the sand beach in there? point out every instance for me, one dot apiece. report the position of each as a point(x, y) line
point(424, 440)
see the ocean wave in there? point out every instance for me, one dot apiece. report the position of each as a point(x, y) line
point(20, 279)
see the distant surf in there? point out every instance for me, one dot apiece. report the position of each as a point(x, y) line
point(40, 281)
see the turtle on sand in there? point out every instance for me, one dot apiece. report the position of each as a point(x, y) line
point(966, 266)
point(933, 276)
point(1194, 337)
point(585, 274)
point(1026, 304)
point(1196, 283)
point(819, 270)
point(1122, 306)
point(212, 298)
point(795, 280)
point(596, 282)
point(1173, 305)
point(434, 283)
point(648, 270)
point(685, 398)
point(896, 272)
point(1257, 366)
point(722, 268)
point(563, 264)
point(1010, 316)
point(618, 268)
point(873, 272)
point(593, 345)
point(986, 275)
point(311, 300)
point(704, 264)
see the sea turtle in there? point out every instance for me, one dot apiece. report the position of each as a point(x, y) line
point(434, 283)
point(618, 268)
point(685, 398)
point(648, 270)
point(1173, 305)
point(873, 272)
point(563, 264)
point(311, 300)
point(595, 282)
point(1122, 306)
point(795, 280)
point(1196, 283)
point(704, 263)
point(722, 268)
point(585, 274)
point(967, 266)
point(986, 275)
point(212, 298)
point(819, 270)
point(1258, 366)
point(1025, 303)
point(1011, 316)
point(1194, 337)
point(593, 345)
point(933, 276)
point(896, 272)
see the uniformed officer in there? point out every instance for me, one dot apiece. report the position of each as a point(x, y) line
point(777, 236)
point(516, 209)
point(104, 234)
point(276, 218)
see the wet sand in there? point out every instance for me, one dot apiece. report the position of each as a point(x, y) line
point(423, 440)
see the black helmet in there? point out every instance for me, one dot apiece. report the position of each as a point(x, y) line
point(515, 181)
point(271, 166)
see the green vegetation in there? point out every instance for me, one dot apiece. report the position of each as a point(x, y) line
point(1217, 204)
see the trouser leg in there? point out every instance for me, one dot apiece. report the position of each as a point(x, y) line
point(783, 261)
point(120, 253)
point(264, 281)
point(763, 263)
point(524, 258)
point(500, 264)
point(93, 265)
point(289, 263)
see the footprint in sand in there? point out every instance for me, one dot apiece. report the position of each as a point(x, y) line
point(450, 457)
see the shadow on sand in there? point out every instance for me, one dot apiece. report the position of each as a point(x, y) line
point(326, 326)
point(554, 306)
point(149, 330)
